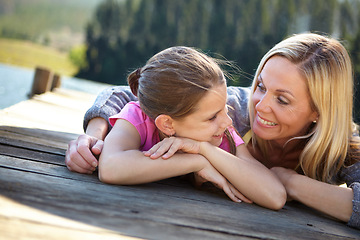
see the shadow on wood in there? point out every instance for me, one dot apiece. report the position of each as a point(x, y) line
point(40, 198)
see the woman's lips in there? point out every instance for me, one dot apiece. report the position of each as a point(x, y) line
point(265, 122)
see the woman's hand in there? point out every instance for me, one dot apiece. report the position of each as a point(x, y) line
point(210, 174)
point(169, 146)
point(81, 154)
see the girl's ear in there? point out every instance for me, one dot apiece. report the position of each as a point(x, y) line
point(165, 124)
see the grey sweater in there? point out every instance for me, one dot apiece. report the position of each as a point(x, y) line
point(112, 100)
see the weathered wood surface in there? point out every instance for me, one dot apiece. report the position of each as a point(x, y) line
point(41, 199)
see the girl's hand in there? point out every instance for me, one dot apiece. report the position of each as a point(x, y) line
point(169, 146)
point(210, 174)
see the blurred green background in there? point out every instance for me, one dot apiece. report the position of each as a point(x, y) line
point(104, 40)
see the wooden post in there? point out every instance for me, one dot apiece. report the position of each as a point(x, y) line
point(42, 81)
point(56, 82)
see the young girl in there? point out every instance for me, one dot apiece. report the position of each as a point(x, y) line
point(182, 106)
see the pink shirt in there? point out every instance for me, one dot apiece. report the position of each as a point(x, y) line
point(148, 131)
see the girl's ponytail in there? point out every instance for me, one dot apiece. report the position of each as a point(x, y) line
point(133, 81)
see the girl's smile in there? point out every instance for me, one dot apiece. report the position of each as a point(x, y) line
point(210, 119)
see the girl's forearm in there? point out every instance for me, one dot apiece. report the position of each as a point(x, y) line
point(253, 180)
point(132, 167)
point(330, 199)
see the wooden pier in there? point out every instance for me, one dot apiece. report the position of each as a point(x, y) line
point(41, 199)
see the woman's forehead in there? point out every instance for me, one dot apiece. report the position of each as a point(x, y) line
point(279, 74)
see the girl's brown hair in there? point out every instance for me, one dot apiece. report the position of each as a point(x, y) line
point(173, 81)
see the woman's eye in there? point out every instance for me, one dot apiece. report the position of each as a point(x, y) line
point(283, 100)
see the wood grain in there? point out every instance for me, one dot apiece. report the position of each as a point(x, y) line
point(41, 199)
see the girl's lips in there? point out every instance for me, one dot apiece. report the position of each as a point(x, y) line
point(264, 122)
point(218, 136)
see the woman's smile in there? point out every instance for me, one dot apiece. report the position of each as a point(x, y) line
point(265, 122)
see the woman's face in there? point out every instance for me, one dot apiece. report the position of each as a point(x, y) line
point(209, 120)
point(281, 102)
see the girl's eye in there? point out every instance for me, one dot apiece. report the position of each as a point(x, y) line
point(213, 118)
point(261, 87)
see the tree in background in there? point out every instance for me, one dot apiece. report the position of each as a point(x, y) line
point(124, 34)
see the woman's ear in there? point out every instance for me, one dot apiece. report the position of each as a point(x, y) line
point(315, 117)
point(165, 124)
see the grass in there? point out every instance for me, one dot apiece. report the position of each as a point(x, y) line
point(31, 55)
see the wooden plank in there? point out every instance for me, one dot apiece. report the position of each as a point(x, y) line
point(35, 114)
point(75, 95)
point(6, 142)
point(17, 222)
point(61, 110)
point(39, 135)
point(126, 218)
point(66, 99)
point(147, 210)
point(45, 200)
point(52, 111)
point(176, 188)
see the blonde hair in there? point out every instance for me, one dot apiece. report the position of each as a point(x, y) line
point(174, 80)
point(326, 67)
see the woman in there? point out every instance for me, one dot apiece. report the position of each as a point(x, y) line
point(300, 122)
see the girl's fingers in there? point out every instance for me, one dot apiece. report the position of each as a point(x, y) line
point(230, 194)
point(172, 150)
point(238, 194)
point(168, 146)
point(164, 147)
point(149, 152)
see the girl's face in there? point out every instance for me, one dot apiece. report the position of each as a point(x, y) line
point(209, 120)
point(281, 102)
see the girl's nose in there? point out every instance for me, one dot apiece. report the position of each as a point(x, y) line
point(226, 121)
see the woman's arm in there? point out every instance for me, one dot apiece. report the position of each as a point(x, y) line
point(81, 153)
point(108, 103)
point(122, 163)
point(330, 199)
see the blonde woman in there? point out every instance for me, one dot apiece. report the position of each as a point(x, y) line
point(298, 123)
point(301, 123)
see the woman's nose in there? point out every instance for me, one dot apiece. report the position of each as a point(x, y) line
point(263, 104)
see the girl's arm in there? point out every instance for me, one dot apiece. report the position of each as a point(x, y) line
point(122, 163)
point(247, 175)
point(330, 199)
